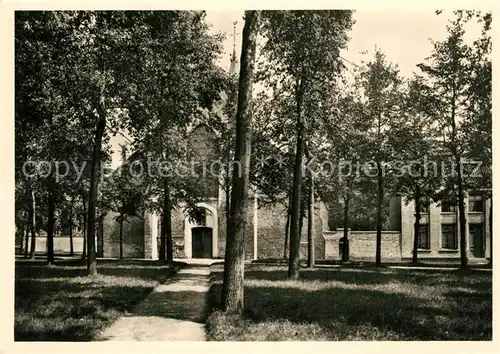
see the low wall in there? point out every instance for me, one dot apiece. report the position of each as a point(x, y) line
point(61, 244)
point(362, 245)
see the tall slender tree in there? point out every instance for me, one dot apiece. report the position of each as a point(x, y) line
point(233, 286)
point(302, 48)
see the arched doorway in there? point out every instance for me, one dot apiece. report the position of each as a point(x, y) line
point(201, 238)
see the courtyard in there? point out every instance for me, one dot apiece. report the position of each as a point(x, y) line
point(358, 303)
point(327, 303)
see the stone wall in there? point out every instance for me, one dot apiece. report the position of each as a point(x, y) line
point(362, 245)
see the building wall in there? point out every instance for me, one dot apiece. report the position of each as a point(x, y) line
point(133, 237)
point(271, 233)
point(435, 218)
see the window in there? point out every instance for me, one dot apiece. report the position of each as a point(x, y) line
point(448, 207)
point(476, 203)
point(476, 234)
point(423, 237)
point(449, 236)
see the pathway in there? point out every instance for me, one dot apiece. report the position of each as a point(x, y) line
point(173, 311)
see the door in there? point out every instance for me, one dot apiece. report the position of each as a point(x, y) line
point(202, 242)
point(476, 232)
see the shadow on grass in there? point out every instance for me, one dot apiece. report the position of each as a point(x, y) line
point(59, 303)
point(147, 270)
point(459, 309)
point(372, 276)
point(60, 311)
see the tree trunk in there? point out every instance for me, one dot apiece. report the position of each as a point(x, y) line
point(166, 235)
point(51, 222)
point(380, 201)
point(310, 227)
point(345, 246)
point(287, 226)
point(121, 235)
point(228, 202)
point(301, 222)
point(416, 230)
point(26, 234)
point(94, 184)
point(294, 260)
point(29, 225)
point(84, 251)
point(33, 226)
point(163, 239)
point(71, 250)
point(232, 287)
point(462, 221)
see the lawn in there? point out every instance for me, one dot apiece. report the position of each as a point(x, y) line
point(357, 303)
point(59, 303)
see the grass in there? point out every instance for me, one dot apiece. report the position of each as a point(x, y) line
point(59, 303)
point(357, 303)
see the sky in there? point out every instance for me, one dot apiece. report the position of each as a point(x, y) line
point(403, 35)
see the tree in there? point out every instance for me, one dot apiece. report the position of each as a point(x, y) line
point(302, 48)
point(453, 72)
point(233, 287)
point(413, 139)
point(382, 99)
point(169, 96)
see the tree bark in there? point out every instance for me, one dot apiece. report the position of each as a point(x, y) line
point(233, 287)
point(380, 201)
point(33, 226)
point(310, 227)
point(345, 246)
point(416, 230)
point(71, 250)
point(228, 203)
point(287, 226)
point(94, 185)
point(294, 260)
point(166, 243)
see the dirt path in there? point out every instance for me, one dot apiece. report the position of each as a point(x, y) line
point(173, 311)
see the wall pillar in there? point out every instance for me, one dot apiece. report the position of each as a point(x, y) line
point(154, 235)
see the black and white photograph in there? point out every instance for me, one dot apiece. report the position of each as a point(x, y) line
point(257, 175)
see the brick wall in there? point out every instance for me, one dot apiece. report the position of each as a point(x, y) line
point(271, 233)
point(362, 245)
point(133, 237)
